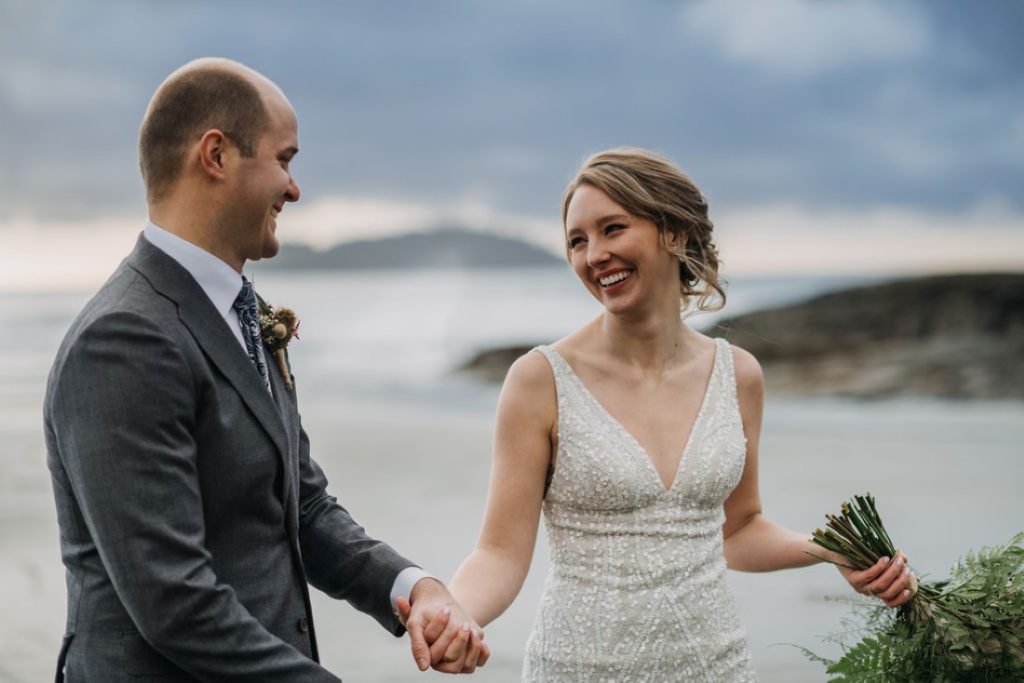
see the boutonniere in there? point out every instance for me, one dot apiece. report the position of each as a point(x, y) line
point(277, 327)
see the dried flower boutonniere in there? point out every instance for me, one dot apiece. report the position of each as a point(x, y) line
point(277, 327)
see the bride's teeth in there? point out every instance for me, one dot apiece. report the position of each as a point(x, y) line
point(274, 213)
point(612, 279)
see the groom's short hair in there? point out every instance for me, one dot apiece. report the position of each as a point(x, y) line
point(200, 96)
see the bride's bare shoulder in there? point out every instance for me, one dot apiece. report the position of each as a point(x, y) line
point(749, 375)
point(530, 370)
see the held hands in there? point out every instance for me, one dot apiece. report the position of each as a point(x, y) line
point(441, 634)
point(889, 581)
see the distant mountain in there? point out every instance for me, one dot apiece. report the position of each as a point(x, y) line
point(947, 336)
point(445, 248)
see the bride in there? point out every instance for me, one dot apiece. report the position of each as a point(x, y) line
point(638, 438)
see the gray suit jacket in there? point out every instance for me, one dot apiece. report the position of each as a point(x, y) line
point(191, 514)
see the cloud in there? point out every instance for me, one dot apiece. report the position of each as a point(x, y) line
point(333, 219)
point(44, 255)
point(341, 218)
point(771, 239)
point(40, 88)
point(792, 239)
point(800, 38)
point(64, 255)
point(455, 102)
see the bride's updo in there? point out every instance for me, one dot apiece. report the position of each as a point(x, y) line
point(649, 186)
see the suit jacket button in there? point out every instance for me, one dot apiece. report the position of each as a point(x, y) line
point(303, 625)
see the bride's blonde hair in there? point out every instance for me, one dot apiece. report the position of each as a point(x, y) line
point(649, 186)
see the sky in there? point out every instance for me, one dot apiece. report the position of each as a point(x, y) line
point(859, 136)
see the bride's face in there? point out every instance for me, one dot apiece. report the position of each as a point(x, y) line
point(618, 257)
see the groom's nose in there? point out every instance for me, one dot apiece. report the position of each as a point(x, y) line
point(292, 193)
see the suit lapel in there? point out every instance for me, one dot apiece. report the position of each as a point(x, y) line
point(210, 331)
point(288, 413)
point(284, 398)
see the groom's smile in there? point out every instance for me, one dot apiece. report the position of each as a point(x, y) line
point(265, 182)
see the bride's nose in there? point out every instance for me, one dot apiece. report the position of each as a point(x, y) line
point(597, 253)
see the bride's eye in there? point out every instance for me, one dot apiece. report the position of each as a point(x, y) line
point(614, 227)
point(575, 242)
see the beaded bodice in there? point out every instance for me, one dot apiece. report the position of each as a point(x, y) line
point(636, 589)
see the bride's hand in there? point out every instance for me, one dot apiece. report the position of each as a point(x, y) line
point(464, 652)
point(442, 634)
point(891, 582)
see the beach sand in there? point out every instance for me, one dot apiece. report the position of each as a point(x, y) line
point(946, 477)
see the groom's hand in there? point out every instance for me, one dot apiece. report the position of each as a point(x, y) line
point(441, 634)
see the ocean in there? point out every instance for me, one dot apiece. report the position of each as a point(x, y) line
point(406, 443)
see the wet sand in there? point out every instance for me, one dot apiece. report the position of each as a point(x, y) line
point(946, 477)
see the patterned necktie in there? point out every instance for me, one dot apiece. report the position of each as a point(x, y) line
point(249, 319)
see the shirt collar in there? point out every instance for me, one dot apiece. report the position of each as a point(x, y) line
point(219, 280)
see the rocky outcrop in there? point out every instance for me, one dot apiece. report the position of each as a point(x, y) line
point(950, 336)
point(490, 365)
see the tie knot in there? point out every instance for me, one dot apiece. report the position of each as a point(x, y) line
point(246, 298)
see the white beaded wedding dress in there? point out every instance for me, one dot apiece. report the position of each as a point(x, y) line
point(637, 588)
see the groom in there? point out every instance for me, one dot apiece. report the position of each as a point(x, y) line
point(191, 513)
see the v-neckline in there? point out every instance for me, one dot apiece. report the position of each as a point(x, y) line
point(629, 435)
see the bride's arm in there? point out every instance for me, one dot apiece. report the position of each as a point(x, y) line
point(491, 576)
point(754, 543)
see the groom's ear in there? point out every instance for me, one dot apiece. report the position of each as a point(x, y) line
point(212, 148)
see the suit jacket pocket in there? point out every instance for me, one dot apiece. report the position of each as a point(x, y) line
point(140, 659)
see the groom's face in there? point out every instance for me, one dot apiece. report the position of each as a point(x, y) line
point(264, 183)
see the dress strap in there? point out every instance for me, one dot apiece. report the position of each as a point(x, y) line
point(724, 366)
point(558, 369)
point(554, 358)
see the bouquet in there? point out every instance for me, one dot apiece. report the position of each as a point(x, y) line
point(969, 627)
